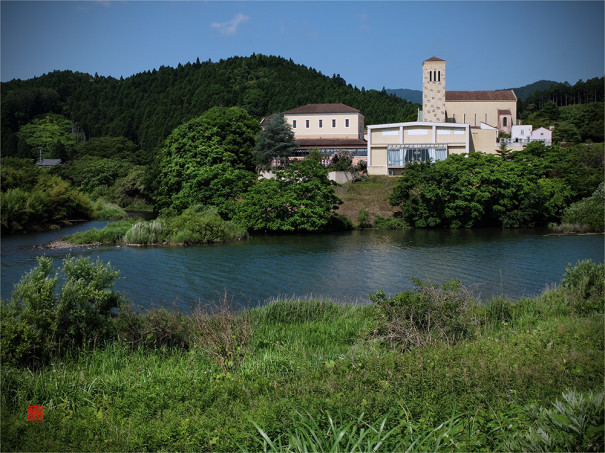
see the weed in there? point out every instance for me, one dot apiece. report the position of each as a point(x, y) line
point(585, 283)
point(431, 313)
point(222, 333)
point(574, 423)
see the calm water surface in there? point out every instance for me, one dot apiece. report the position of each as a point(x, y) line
point(344, 266)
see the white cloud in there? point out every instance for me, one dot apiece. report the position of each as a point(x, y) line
point(363, 23)
point(230, 28)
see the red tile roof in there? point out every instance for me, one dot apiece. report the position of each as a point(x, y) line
point(322, 108)
point(500, 95)
point(434, 59)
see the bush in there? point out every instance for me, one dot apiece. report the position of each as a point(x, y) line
point(573, 424)
point(363, 218)
point(153, 329)
point(585, 284)
point(390, 223)
point(52, 312)
point(588, 212)
point(222, 333)
point(342, 161)
point(361, 166)
point(104, 210)
point(201, 225)
point(430, 314)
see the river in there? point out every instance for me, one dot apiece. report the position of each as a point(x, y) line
point(343, 266)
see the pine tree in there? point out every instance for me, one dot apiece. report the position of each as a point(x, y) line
point(275, 141)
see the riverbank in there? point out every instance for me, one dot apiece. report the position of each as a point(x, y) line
point(227, 381)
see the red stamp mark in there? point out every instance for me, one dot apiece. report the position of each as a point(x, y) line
point(35, 413)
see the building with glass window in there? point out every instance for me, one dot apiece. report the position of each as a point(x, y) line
point(450, 122)
point(392, 146)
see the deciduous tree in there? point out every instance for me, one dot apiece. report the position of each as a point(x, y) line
point(299, 198)
point(207, 161)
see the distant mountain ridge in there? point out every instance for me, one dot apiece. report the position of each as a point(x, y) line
point(414, 96)
point(522, 92)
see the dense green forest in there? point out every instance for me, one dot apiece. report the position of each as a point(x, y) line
point(146, 107)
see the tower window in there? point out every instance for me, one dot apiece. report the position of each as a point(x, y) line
point(430, 76)
point(439, 76)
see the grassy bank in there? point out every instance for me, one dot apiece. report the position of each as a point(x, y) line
point(427, 370)
point(194, 226)
point(371, 194)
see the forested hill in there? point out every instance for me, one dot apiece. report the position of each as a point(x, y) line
point(146, 107)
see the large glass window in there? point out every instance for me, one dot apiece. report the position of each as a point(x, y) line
point(400, 155)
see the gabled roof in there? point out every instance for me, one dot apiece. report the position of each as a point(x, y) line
point(434, 59)
point(322, 108)
point(498, 95)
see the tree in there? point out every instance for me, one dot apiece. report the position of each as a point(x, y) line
point(299, 198)
point(52, 134)
point(566, 132)
point(207, 161)
point(275, 141)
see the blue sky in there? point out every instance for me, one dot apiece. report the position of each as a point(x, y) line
point(487, 45)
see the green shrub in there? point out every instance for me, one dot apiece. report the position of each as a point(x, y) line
point(201, 225)
point(429, 314)
point(153, 329)
point(145, 233)
point(51, 311)
point(390, 223)
point(585, 284)
point(363, 218)
point(104, 210)
point(113, 233)
point(575, 423)
point(588, 212)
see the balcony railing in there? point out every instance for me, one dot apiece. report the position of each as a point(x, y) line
point(521, 141)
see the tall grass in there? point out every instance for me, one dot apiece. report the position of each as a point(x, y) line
point(113, 233)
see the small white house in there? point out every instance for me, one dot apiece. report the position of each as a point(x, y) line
point(542, 134)
point(521, 134)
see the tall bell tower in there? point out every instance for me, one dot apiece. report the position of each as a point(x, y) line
point(433, 90)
